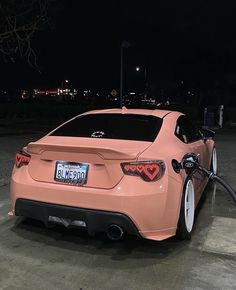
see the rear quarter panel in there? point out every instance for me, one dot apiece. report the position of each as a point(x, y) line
point(168, 147)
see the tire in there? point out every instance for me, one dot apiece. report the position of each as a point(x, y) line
point(187, 211)
point(213, 166)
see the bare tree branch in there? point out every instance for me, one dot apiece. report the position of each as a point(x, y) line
point(19, 21)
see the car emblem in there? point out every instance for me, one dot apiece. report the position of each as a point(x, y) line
point(98, 134)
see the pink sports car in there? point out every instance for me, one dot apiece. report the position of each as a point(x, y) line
point(115, 171)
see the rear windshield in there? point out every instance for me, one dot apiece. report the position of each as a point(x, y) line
point(112, 126)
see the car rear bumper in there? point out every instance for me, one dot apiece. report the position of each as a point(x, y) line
point(95, 220)
point(152, 208)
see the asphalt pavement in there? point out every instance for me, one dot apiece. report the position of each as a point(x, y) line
point(34, 257)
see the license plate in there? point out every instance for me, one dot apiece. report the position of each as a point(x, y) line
point(71, 172)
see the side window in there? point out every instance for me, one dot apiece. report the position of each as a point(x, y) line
point(186, 131)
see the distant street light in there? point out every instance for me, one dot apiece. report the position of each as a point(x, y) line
point(124, 44)
point(138, 69)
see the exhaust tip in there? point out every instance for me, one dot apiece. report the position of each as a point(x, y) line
point(115, 232)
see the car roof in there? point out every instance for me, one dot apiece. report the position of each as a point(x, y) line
point(158, 113)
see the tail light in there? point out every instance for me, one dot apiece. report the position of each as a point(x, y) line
point(22, 158)
point(147, 170)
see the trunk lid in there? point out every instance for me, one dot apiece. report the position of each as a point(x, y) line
point(102, 155)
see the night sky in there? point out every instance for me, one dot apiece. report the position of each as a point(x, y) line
point(193, 41)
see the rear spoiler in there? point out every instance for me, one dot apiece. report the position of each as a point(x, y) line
point(104, 152)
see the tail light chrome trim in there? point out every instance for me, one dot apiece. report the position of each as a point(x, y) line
point(151, 170)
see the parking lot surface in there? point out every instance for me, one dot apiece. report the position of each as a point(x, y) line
point(34, 257)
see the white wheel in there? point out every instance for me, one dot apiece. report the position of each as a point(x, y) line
point(214, 161)
point(187, 211)
point(189, 205)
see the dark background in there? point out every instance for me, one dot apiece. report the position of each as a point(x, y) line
point(184, 45)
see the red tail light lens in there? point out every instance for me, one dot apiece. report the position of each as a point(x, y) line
point(22, 158)
point(147, 170)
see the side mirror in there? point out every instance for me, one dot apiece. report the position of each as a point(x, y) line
point(190, 162)
point(207, 133)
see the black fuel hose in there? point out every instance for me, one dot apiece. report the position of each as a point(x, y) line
point(225, 185)
point(218, 179)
